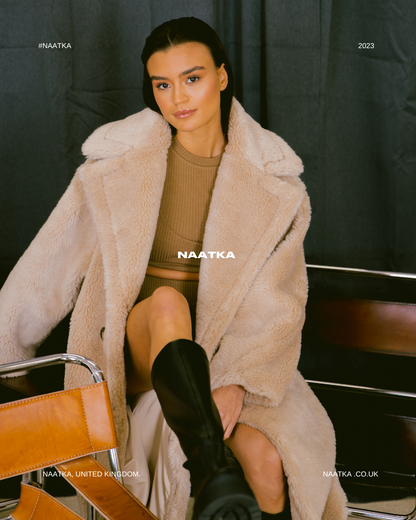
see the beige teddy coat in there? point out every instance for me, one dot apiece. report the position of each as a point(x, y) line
point(92, 253)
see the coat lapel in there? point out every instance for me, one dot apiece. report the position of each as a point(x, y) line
point(251, 211)
point(124, 193)
point(249, 220)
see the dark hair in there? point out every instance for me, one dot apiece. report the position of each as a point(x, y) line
point(186, 30)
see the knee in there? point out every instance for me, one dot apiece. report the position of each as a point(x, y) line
point(166, 304)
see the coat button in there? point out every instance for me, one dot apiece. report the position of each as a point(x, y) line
point(102, 333)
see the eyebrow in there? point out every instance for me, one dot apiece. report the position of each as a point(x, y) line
point(184, 73)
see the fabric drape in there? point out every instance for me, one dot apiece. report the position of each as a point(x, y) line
point(348, 112)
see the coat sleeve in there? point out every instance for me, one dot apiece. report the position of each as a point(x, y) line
point(43, 286)
point(261, 347)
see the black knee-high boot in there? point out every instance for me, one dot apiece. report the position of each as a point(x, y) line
point(181, 379)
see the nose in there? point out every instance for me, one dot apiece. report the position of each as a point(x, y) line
point(180, 96)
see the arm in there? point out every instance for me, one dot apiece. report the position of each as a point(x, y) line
point(43, 286)
point(260, 349)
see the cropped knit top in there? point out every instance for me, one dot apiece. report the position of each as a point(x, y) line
point(184, 209)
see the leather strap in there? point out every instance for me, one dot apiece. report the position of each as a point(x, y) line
point(35, 504)
point(55, 429)
point(43, 430)
point(102, 490)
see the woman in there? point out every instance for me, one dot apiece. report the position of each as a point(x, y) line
point(108, 241)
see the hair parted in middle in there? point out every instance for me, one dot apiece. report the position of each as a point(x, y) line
point(187, 30)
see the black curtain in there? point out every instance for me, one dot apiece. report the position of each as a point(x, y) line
point(348, 110)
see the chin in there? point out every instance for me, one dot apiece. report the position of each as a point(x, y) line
point(187, 126)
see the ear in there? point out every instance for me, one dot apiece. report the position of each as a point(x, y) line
point(223, 76)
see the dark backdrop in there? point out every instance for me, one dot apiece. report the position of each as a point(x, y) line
point(349, 113)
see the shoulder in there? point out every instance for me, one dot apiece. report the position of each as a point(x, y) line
point(262, 147)
point(144, 129)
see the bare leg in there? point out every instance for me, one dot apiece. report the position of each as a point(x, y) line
point(262, 467)
point(151, 324)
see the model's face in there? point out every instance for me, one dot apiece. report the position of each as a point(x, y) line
point(187, 85)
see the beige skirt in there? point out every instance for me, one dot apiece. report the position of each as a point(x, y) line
point(146, 468)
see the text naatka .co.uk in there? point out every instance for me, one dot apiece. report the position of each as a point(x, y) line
point(202, 254)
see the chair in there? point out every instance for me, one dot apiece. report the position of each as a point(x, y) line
point(359, 357)
point(64, 429)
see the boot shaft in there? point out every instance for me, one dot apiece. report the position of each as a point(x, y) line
point(181, 379)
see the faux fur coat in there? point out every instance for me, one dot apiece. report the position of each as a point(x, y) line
point(91, 256)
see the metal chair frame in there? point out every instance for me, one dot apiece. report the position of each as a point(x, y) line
point(36, 477)
point(353, 511)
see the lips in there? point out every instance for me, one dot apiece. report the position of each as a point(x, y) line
point(181, 114)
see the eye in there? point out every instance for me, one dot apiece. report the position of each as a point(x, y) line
point(162, 86)
point(193, 79)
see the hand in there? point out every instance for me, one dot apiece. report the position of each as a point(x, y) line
point(229, 401)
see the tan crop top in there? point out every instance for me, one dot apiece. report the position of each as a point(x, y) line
point(184, 209)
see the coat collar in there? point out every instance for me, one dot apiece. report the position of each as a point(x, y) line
point(253, 204)
point(247, 139)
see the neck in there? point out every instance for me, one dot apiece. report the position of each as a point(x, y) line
point(202, 145)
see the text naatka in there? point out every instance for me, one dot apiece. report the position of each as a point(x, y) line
point(208, 254)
